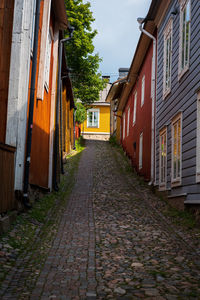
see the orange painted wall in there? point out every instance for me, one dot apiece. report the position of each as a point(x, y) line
point(39, 167)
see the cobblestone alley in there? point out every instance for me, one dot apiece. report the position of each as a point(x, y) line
point(113, 242)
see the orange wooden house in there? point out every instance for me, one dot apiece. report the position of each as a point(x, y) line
point(31, 107)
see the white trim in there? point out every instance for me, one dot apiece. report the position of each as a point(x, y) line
point(48, 59)
point(19, 84)
point(198, 140)
point(176, 181)
point(168, 37)
point(124, 123)
point(128, 121)
point(93, 110)
point(163, 184)
point(53, 101)
point(141, 151)
point(44, 37)
point(142, 90)
point(95, 132)
point(183, 69)
point(134, 108)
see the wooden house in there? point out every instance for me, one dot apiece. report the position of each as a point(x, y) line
point(97, 124)
point(136, 102)
point(178, 103)
point(115, 115)
point(30, 35)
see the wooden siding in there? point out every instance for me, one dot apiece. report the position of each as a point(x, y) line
point(143, 120)
point(183, 98)
point(67, 128)
point(39, 167)
point(6, 24)
point(7, 165)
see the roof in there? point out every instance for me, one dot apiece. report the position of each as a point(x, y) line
point(116, 89)
point(59, 10)
point(141, 50)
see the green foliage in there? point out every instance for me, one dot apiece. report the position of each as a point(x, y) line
point(113, 141)
point(84, 63)
point(80, 144)
point(81, 113)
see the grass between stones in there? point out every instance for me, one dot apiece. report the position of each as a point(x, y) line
point(31, 235)
point(184, 218)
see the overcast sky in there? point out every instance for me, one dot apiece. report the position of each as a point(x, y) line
point(118, 32)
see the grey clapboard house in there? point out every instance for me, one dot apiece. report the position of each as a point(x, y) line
point(178, 103)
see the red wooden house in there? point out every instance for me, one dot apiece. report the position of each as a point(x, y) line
point(137, 102)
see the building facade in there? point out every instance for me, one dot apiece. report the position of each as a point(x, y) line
point(178, 109)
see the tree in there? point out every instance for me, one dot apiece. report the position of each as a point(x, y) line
point(81, 113)
point(84, 64)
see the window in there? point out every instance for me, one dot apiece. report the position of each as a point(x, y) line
point(184, 44)
point(167, 59)
point(142, 90)
point(198, 139)
point(124, 122)
point(128, 120)
point(140, 150)
point(163, 159)
point(176, 150)
point(47, 61)
point(134, 108)
point(93, 118)
point(33, 26)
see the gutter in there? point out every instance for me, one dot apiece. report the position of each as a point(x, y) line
point(31, 109)
point(140, 21)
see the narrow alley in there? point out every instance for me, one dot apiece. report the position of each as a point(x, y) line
point(113, 241)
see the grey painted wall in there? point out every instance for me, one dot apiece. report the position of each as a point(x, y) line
point(183, 97)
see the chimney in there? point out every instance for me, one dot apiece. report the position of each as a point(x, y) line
point(123, 72)
point(106, 77)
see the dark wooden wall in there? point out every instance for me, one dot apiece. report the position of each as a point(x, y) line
point(6, 24)
point(7, 158)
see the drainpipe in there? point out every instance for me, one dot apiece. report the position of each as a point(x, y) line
point(31, 108)
point(140, 21)
point(71, 29)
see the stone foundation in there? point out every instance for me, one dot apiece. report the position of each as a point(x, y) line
point(98, 137)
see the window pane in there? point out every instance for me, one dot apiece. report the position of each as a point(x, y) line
point(90, 119)
point(95, 118)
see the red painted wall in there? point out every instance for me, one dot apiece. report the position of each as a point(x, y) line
point(143, 120)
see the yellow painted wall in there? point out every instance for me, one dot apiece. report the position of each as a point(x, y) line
point(104, 121)
point(68, 123)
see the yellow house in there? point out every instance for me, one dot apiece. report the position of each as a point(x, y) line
point(113, 97)
point(97, 125)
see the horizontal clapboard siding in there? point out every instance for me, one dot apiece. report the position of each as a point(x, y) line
point(182, 98)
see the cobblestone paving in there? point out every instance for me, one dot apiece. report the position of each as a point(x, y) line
point(113, 242)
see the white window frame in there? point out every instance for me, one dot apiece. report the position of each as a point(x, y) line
point(33, 26)
point(142, 90)
point(198, 140)
point(134, 108)
point(92, 110)
point(124, 123)
point(128, 121)
point(163, 160)
point(42, 59)
point(176, 180)
point(48, 59)
point(141, 151)
point(183, 63)
point(167, 58)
